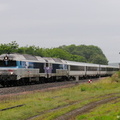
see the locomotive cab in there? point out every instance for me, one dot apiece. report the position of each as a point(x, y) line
point(7, 68)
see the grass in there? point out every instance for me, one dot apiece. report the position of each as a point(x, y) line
point(54, 103)
point(109, 111)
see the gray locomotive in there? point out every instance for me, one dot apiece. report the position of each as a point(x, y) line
point(19, 69)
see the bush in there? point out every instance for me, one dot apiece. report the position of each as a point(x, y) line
point(116, 77)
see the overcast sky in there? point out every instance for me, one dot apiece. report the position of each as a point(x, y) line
point(52, 23)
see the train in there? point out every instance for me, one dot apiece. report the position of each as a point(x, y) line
point(22, 69)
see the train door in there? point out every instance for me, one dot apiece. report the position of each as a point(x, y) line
point(48, 69)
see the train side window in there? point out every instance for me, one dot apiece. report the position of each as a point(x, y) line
point(20, 62)
point(91, 68)
point(2, 63)
point(76, 68)
point(11, 63)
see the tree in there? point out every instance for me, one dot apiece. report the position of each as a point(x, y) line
point(78, 58)
point(80, 53)
point(9, 48)
point(98, 59)
point(91, 54)
point(57, 53)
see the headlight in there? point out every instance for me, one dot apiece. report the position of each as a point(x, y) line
point(11, 72)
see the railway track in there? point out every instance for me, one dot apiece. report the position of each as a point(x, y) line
point(37, 87)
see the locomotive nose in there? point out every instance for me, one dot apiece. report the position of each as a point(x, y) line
point(11, 72)
point(6, 75)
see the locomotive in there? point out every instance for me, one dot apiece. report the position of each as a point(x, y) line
point(20, 69)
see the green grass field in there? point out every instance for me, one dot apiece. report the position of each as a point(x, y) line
point(55, 103)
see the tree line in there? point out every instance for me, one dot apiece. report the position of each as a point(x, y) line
point(80, 53)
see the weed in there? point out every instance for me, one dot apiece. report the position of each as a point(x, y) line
point(116, 77)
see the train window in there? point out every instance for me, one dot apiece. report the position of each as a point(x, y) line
point(55, 66)
point(2, 63)
point(60, 66)
point(76, 68)
point(103, 69)
point(40, 66)
point(109, 69)
point(9, 63)
point(91, 68)
point(20, 62)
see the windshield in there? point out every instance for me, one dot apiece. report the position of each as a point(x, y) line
point(8, 63)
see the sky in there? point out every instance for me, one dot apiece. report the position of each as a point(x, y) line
point(52, 23)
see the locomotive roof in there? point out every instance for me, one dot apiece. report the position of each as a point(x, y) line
point(26, 57)
point(54, 60)
point(22, 57)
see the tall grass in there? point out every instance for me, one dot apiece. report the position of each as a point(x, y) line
point(116, 77)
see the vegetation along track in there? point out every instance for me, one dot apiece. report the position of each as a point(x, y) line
point(72, 114)
point(82, 110)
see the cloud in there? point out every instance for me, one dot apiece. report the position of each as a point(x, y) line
point(3, 7)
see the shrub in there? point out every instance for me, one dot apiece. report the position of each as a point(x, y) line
point(116, 77)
